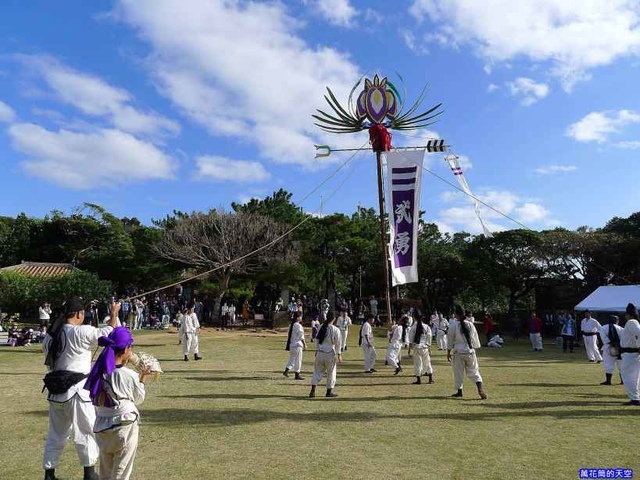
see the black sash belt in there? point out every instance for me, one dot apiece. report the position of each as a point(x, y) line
point(629, 350)
point(588, 334)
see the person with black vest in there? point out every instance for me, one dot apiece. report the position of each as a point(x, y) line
point(420, 337)
point(610, 335)
point(295, 346)
point(328, 344)
point(68, 348)
point(630, 353)
point(462, 340)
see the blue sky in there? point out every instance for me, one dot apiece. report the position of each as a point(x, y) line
point(145, 106)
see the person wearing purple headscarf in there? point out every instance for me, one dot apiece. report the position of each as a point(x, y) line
point(115, 390)
point(67, 347)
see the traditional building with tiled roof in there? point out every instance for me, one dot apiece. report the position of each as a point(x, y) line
point(41, 269)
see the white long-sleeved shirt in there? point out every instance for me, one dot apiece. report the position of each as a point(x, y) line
point(78, 341)
point(297, 335)
point(425, 338)
point(590, 325)
point(396, 334)
point(126, 390)
point(344, 322)
point(443, 325)
point(44, 313)
point(456, 340)
point(604, 334)
point(367, 335)
point(630, 335)
point(189, 323)
point(332, 341)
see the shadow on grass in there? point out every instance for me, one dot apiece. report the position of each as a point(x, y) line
point(234, 417)
point(226, 379)
point(546, 385)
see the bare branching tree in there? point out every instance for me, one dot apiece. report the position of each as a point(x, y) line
point(214, 239)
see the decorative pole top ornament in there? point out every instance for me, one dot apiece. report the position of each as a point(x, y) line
point(379, 107)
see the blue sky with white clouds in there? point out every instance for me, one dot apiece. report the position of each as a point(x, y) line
point(145, 106)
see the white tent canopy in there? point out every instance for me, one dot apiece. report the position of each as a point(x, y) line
point(612, 298)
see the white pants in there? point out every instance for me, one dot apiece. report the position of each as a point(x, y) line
point(325, 363)
point(137, 322)
point(421, 362)
point(117, 451)
point(295, 359)
point(630, 371)
point(73, 416)
point(441, 340)
point(592, 348)
point(191, 339)
point(393, 356)
point(465, 363)
point(608, 361)
point(370, 357)
point(343, 339)
point(494, 345)
point(536, 341)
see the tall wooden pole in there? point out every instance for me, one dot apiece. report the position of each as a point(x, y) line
point(383, 237)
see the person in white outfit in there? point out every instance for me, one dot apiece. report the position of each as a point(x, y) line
point(328, 343)
point(116, 390)
point(397, 338)
point(44, 314)
point(496, 341)
point(366, 342)
point(420, 338)
point(434, 323)
point(295, 346)
point(68, 348)
point(441, 334)
point(343, 323)
point(463, 341)
point(610, 336)
point(408, 318)
point(190, 329)
point(630, 353)
point(590, 328)
point(232, 315)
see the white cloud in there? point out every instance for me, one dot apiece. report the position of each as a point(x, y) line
point(492, 88)
point(7, 115)
point(628, 145)
point(337, 12)
point(415, 45)
point(225, 169)
point(528, 89)
point(553, 169)
point(573, 36)
point(462, 215)
point(531, 213)
point(240, 69)
point(96, 98)
point(82, 161)
point(597, 126)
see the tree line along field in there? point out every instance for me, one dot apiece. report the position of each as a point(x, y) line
point(233, 415)
point(332, 253)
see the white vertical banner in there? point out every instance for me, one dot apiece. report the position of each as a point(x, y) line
point(452, 160)
point(404, 177)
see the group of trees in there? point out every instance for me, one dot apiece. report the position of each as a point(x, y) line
point(317, 255)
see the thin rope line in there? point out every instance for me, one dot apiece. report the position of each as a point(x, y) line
point(271, 243)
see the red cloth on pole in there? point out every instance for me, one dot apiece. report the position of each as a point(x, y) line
point(380, 138)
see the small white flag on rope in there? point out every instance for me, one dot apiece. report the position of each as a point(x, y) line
point(457, 171)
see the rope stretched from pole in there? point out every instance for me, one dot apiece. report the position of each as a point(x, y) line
point(271, 243)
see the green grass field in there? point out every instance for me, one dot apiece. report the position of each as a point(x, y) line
point(233, 415)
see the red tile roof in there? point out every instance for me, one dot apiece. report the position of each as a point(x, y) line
point(41, 269)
